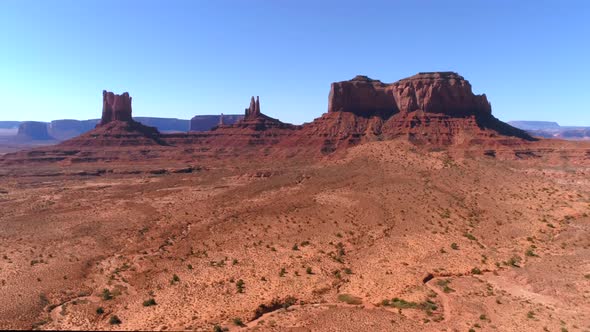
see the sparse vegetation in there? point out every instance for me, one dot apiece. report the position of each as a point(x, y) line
point(238, 322)
point(454, 246)
point(175, 279)
point(530, 253)
point(99, 311)
point(150, 302)
point(476, 270)
point(114, 320)
point(106, 294)
point(308, 270)
point(240, 285)
point(470, 236)
point(427, 305)
point(282, 272)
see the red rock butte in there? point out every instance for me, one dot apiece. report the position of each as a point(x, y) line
point(115, 107)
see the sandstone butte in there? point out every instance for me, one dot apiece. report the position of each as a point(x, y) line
point(433, 108)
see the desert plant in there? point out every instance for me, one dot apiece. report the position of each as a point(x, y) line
point(240, 286)
point(308, 270)
point(149, 303)
point(115, 320)
point(106, 294)
point(238, 322)
point(454, 246)
point(99, 310)
point(282, 272)
point(476, 270)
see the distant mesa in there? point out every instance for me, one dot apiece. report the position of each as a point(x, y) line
point(33, 130)
point(208, 122)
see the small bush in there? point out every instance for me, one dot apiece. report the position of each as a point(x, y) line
point(470, 236)
point(115, 320)
point(282, 272)
point(530, 315)
point(149, 303)
point(99, 311)
point(106, 295)
point(240, 286)
point(454, 246)
point(475, 270)
point(308, 270)
point(175, 279)
point(238, 322)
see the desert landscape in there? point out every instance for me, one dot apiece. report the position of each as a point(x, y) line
point(406, 206)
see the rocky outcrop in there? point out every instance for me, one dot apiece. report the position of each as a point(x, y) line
point(255, 120)
point(433, 92)
point(431, 107)
point(33, 130)
point(362, 96)
point(115, 107)
point(439, 92)
point(117, 127)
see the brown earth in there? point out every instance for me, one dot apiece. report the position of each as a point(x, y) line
point(370, 226)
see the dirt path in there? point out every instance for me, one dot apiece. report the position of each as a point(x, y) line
point(443, 297)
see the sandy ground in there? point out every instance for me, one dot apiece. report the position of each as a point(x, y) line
point(389, 238)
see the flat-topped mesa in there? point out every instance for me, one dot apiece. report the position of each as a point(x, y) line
point(439, 92)
point(33, 130)
point(430, 92)
point(115, 107)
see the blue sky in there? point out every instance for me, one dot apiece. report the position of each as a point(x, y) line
point(183, 58)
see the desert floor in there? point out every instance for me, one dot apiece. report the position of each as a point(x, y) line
point(390, 237)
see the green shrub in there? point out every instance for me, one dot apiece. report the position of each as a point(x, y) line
point(115, 320)
point(238, 322)
point(240, 286)
point(106, 294)
point(149, 303)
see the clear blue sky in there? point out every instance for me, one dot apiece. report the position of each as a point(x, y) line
point(182, 58)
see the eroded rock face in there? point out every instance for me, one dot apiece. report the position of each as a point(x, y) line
point(362, 96)
point(439, 92)
point(432, 92)
point(115, 107)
